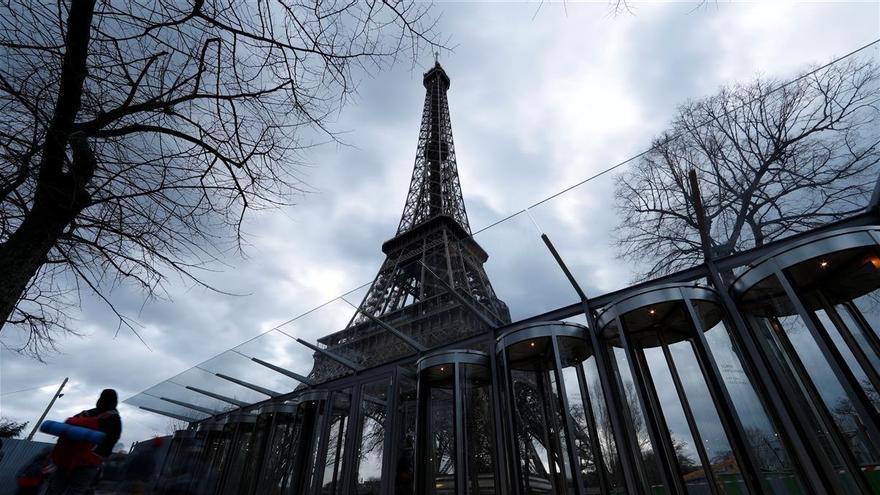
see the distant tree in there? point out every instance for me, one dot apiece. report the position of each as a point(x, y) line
point(135, 135)
point(769, 163)
point(10, 428)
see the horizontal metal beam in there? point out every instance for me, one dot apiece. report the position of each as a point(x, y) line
point(491, 322)
point(397, 333)
point(219, 397)
point(332, 355)
point(191, 406)
point(170, 415)
point(283, 371)
point(257, 388)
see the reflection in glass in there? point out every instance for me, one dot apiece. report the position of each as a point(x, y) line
point(605, 432)
point(331, 481)
point(276, 470)
point(455, 437)
point(635, 416)
point(404, 466)
point(477, 409)
point(439, 409)
point(239, 450)
point(374, 415)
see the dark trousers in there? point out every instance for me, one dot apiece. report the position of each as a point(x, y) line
point(78, 481)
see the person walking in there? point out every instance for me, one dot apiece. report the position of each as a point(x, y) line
point(78, 463)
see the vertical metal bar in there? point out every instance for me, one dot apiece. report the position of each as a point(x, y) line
point(317, 474)
point(825, 417)
point(851, 342)
point(513, 446)
point(723, 403)
point(867, 330)
point(574, 463)
point(657, 430)
point(625, 436)
point(809, 458)
point(838, 364)
point(458, 426)
point(551, 445)
point(350, 466)
point(393, 425)
point(629, 461)
point(600, 466)
point(423, 415)
point(691, 421)
point(500, 467)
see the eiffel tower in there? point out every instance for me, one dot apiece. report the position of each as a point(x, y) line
point(432, 254)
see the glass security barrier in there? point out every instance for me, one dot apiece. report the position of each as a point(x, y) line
point(455, 449)
point(182, 444)
point(310, 416)
point(276, 423)
point(556, 438)
point(813, 306)
point(690, 397)
point(330, 461)
point(373, 429)
point(403, 466)
point(240, 427)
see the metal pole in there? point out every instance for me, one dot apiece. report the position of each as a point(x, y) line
point(629, 459)
point(51, 403)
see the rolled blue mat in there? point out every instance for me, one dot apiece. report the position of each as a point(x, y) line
point(71, 432)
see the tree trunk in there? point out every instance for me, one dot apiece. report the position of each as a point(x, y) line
point(60, 194)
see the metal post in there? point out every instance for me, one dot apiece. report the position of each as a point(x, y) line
point(512, 444)
point(689, 418)
point(501, 454)
point(792, 420)
point(723, 403)
point(654, 422)
point(573, 463)
point(458, 427)
point(46, 411)
point(598, 456)
point(629, 461)
point(838, 364)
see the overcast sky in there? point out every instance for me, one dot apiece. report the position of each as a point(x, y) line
point(538, 102)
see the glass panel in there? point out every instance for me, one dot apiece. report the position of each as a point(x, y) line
point(715, 442)
point(313, 421)
point(239, 451)
point(439, 410)
point(682, 440)
point(848, 356)
point(331, 482)
point(829, 388)
point(866, 340)
point(275, 472)
point(572, 352)
point(476, 392)
point(404, 478)
point(767, 448)
point(374, 415)
point(636, 418)
point(604, 429)
point(778, 335)
point(869, 306)
point(539, 438)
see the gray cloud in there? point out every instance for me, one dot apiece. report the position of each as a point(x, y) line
point(536, 105)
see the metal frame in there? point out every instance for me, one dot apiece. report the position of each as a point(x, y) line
point(552, 331)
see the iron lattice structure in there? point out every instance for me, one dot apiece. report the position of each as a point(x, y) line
point(431, 254)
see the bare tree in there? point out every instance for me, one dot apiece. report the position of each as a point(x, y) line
point(135, 135)
point(771, 160)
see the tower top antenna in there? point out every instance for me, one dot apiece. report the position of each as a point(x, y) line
point(436, 57)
